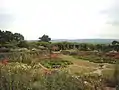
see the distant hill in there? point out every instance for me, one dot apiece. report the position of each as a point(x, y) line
point(97, 41)
point(32, 40)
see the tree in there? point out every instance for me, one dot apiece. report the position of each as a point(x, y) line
point(115, 42)
point(18, 37)
point(45, 38)
point(7, 38)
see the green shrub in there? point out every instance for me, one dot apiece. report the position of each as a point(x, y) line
point(55, 63)
point(97, 59)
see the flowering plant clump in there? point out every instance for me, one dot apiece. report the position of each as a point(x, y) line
point(5, 61)
point(19, 76)
point(15, 76)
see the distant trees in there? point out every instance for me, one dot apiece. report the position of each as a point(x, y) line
point(45, 38)
point(9, 39)
point(44, 41)
point(87, 46)
point(84, 47)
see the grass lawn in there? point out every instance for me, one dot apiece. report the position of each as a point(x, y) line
point(80, 66)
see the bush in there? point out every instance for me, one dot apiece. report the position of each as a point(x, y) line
point(23, 44)
point(97, 57)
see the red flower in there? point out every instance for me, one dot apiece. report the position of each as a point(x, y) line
point(5, 62)
point(53, 55)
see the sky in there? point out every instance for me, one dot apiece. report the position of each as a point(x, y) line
point(61, 19)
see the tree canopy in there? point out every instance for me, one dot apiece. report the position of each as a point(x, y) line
point(45, 38)
point(7, 37)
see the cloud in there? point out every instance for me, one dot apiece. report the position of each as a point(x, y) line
point(113, 14)
point(7, 15)
point(59, 19)
point(6, 20)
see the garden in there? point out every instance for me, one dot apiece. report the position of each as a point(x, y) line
point(45, 65)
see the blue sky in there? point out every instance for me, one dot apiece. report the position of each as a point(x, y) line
point(61, 19)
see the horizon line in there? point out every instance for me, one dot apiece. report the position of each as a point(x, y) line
point(81, 39)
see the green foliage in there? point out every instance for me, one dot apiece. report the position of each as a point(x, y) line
point(45, 44)
point(38, 45)
point(115, 42)
point(32, 45)
point(7, 37)
point(86, 46)
point(18, 37)
point(23, 44)
point(55, 63)
point(96, 57)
